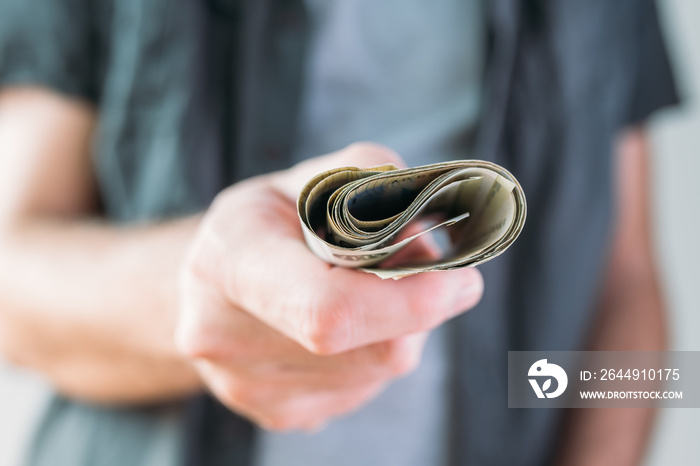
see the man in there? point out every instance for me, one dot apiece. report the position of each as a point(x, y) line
point(121, 121)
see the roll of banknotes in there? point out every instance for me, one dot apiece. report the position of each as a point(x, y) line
point(359, 218)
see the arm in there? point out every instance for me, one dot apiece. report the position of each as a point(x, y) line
point(630, 318)
point(275, 333)
point(78, 301)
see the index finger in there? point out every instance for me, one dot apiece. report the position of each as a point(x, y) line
point(331, 309)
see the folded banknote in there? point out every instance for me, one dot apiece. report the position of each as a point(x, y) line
point(360, 217)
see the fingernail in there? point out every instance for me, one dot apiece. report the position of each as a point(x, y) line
point(471, 287)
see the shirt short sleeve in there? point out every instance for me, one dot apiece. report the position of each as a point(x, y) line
point(654, 87)
point(49, 44)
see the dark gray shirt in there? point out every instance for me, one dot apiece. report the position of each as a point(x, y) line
point(195, 94)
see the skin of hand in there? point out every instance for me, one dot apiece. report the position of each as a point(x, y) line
point(61, 314)
point(284, 338)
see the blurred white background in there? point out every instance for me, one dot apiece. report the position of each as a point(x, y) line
point(676, 167)
point(676, 140)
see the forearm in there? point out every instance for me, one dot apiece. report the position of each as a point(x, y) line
point(93, 306)
point(630, 317)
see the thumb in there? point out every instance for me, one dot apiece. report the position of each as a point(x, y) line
point(360, 154)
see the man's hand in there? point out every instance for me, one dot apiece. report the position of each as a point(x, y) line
point(286, 339)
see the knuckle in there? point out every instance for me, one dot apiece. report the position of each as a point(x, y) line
point(370, 153)
point(424, 312)
point(208, 341)
point(245, 394)
point(196, 261)
point(204, 260)
point(190, 335)
point(192, 344)
point(196, 339)
point(399, 358)
point(280, 423)
point(325, 328)
point(405, 364)
point(431, 305)
point(190, 340)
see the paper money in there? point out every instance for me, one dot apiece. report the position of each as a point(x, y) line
point(359, 218)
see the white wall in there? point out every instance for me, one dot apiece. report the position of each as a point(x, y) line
point(21, 400)
point(676, 138)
